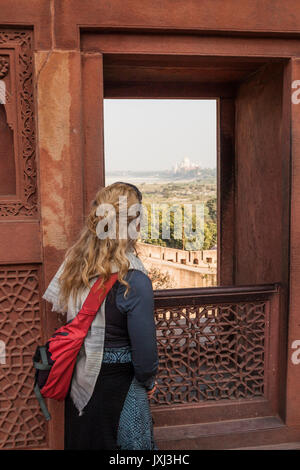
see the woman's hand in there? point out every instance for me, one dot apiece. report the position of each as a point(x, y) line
point(150, 393)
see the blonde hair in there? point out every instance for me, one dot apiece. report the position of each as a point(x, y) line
point(91, 256)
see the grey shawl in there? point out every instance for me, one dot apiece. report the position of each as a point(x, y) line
point(89, 359)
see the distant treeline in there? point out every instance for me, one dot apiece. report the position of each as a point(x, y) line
point(197, 173)
point(209, 239)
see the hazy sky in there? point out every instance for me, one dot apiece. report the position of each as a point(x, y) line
point(155, 134)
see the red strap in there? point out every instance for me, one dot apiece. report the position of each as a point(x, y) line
point(66, 342)
point(96, 296)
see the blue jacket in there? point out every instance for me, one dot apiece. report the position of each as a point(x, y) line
point(138, 307)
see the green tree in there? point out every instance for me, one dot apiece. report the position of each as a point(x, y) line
point(212, 209)
point(210, 235)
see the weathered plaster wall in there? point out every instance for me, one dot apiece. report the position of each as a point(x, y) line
point(58, 87)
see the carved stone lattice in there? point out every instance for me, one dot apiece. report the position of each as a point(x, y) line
point(21, 422)
point(27, 204)
point(210, 352)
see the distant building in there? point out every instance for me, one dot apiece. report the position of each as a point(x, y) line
point(185, 165)
point(185, 268)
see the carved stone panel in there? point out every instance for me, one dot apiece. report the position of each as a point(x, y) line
point(21, 422)
point(211, 352)
point(18, 190)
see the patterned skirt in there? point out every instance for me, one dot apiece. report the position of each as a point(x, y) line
point(118, 415)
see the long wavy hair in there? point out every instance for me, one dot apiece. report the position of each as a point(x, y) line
point(92, 256)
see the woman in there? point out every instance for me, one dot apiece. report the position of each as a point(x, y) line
point(108, 402)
